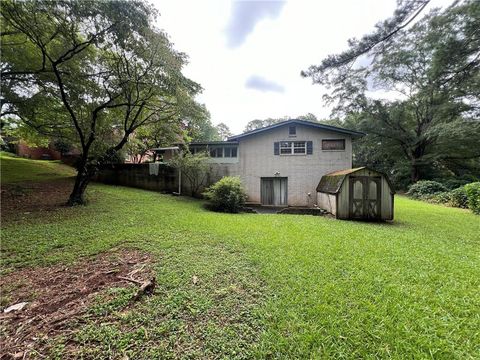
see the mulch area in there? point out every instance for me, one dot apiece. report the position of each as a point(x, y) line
point(59, 294)
point(18, 199)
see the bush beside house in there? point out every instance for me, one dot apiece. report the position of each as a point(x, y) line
point(226, 195)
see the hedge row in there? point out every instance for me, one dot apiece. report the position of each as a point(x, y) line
point(467, 196)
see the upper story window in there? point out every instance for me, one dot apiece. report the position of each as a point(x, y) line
point(292, 130)
point(333, 144)
point(293, 147)
point(223, 151)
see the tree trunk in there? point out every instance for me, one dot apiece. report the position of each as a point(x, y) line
point(417, 162)
point(414, 173)
point(85, 173)
point(77, 197)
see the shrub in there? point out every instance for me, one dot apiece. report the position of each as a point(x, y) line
point(226, 195)
point(425, 188)
point(455, 183)
point(455, 198)
point(458, 198)
point(473, 196)
point(437, 198)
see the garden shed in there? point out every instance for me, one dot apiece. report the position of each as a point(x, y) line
point(359, 193)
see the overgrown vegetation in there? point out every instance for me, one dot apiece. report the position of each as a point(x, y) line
point(432, 68)
point(194, 169)
point(425, 188)
point(465, 196)
point(226, 195)
point(267, 286)
point(92, 73)
point(473, 196)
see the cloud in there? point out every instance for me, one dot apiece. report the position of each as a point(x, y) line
point(245, 15)
point(257, 82)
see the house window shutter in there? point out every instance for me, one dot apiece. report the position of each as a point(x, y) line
point(276, 148)
point(309, 147)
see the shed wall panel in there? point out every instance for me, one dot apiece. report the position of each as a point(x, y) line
point(343, 198)
point(327, 202)
point(387, 206)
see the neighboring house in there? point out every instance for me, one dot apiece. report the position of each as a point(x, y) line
point(282, 164)
point(37, 152)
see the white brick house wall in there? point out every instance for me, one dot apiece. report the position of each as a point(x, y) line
point(256, 159)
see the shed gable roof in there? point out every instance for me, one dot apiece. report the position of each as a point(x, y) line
point(332, 182)
point(299, 122)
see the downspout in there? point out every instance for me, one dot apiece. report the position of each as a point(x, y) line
point(179, 181)
point(180, 176)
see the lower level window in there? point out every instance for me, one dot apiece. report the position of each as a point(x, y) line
point(293, 147)
point(223, 152)
point(230, 152)
point(216, 152)
point(198, 149)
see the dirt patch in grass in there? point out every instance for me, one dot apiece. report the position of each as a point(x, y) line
point(21, 199)
point(58, 295)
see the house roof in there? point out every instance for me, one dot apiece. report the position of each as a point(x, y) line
point(166, 148)
point(332, 182)
point(299, 122)
point(213, 143)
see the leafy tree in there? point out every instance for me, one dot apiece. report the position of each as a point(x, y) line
point(434, 65)
point(223, 131)
point(334, 69)
point(198, 126)
point(194, 169)
point(149, 137)
point(91, 73)
point(62, 146)
point(307, 117)
point(257, 124)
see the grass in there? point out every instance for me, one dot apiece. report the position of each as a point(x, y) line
point(19, 169)
point(270, 286)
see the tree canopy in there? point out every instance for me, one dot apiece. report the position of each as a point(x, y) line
point(434, 68)
point(92, 73)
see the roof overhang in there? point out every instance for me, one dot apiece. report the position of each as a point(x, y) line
point(352, 133)
point(203, 143)
point(166, 148)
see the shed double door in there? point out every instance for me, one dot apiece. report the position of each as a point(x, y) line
point(365, 197)
point(274, 191)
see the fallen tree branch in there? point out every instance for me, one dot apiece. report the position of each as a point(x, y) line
point(146, 287)
point(136, 282)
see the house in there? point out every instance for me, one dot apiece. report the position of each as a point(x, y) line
point(360, 193)
point(281, 164)
point(38, 152)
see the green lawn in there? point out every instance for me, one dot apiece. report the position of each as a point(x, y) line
point(20, 169)
point(270, 286)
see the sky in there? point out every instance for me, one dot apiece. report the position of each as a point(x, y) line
point(247, 55)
